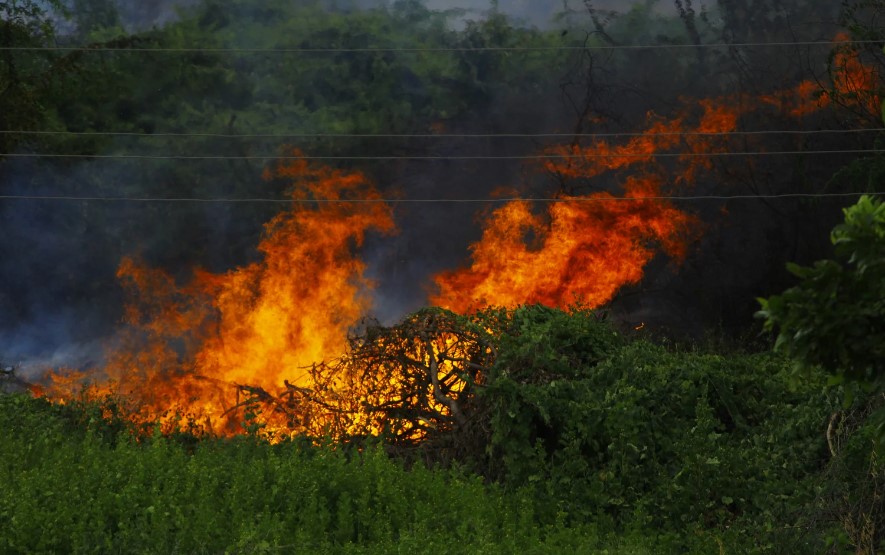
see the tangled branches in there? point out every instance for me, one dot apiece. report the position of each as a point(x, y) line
point(411, 383)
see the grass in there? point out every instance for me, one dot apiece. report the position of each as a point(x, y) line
point(68, 488)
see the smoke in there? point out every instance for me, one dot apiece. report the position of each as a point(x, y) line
point(60, 300)
point(59, 295)
point(140, 15)
point(45, 297)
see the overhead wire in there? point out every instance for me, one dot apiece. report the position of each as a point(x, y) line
point(438, 135)
point(393, 49)
point(435, 157)
point(316, 50)
point(580, 199)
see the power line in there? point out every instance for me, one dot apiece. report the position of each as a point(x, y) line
point(337, 50)
point(438, 135)
point(432, 157)
point(435, 200)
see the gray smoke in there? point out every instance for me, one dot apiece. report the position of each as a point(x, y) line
point(59, 298)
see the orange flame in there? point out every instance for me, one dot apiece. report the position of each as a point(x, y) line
point(588, 247)
point(193, 348)
point(854, 84)
point(257, 325)
point(584, 249)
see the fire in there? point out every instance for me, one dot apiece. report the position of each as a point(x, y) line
point(296, 306)
point(192, 349)
point(854, 84)
point(585, 248)
point(274, 333)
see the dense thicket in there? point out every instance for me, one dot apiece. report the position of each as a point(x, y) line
point(593, 442)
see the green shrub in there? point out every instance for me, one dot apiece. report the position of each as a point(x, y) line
point(629, 432)
point(594, 442)
point(835, 316)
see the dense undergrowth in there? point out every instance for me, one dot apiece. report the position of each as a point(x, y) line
point(69, 488)
point(596, 443)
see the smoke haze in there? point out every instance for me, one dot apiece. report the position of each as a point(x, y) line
point(60, 296)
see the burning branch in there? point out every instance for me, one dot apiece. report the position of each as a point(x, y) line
point(406, 382)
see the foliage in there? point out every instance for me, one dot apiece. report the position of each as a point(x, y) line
point(853, 484)
point(835, 317)
point(78, 493)
point(597, 428)
point(676, 440)
point(24, 75)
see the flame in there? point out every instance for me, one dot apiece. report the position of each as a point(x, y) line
point(854, 82)
point(209, 347)
point(255, 326)
point(583, 249)
point(296, 306)
point(854, 85)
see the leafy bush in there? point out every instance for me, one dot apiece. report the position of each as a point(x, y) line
point(599, 429)
point(835, 317)
point(676, 440)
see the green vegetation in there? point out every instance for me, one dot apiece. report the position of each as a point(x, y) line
point(74, 489)
point(835, 317)
point(573, 437)
point(596, 442)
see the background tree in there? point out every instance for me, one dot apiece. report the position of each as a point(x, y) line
point(24, 75)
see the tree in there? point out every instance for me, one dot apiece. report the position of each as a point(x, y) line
point(23, 73)
point(93, 15)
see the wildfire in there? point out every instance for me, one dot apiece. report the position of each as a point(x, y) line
point(585, 248)
point(193, 348)
point(210, 347)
